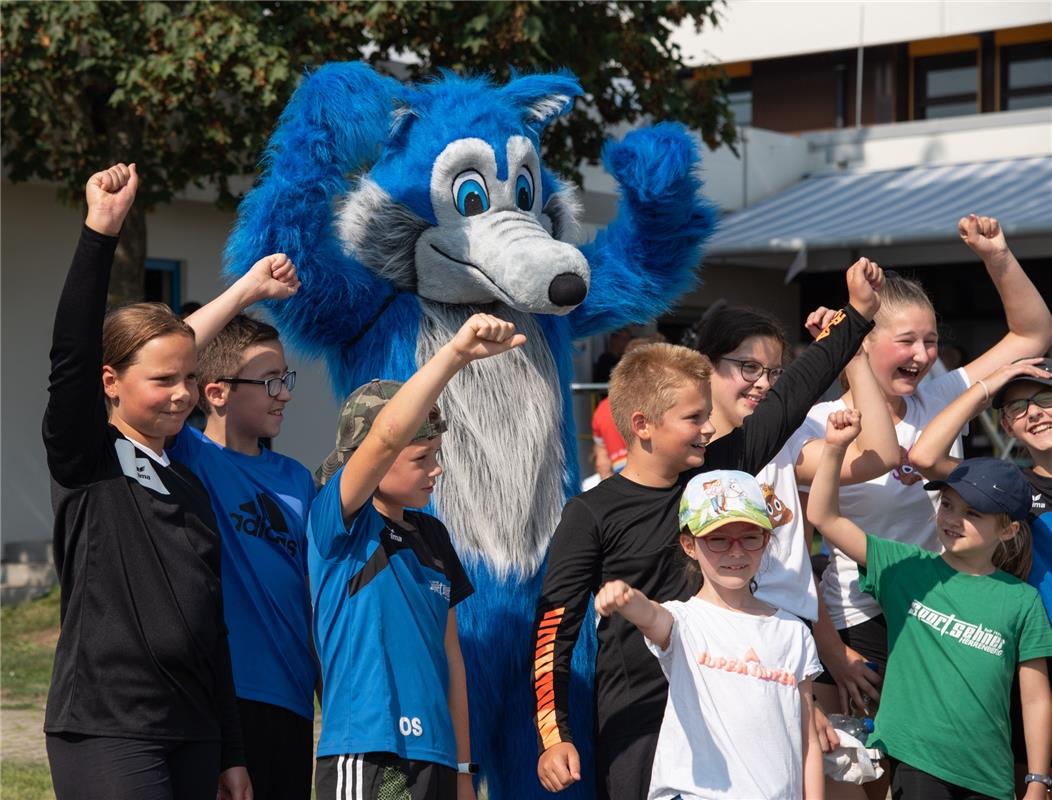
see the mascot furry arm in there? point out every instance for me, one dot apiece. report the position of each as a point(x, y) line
point(406, 209)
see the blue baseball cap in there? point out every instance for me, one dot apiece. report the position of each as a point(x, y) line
point(989, 485)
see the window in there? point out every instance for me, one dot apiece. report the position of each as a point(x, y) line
point(1026, 76)
point(946, 86)
point(163, 282)
point(739, 96)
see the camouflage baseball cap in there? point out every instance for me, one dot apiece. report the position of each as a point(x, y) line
point(357, 415)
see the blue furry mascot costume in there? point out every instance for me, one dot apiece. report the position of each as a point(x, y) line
point(406, 210)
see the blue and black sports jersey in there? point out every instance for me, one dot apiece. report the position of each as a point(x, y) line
point(261, 505)
point(382, 593)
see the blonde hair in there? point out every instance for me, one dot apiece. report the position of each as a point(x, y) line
point(126, 330)
point(899, 293)
point(222, 356)
point(646, 380)
point(1014, 556)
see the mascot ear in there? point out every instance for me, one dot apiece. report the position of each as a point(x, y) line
point(542, 98)
point(340, 115)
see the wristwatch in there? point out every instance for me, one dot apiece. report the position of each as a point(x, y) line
point(1036, 777)
point(470, 768)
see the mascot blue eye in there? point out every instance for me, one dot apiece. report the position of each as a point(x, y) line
point(524, 190)
point(469, 193)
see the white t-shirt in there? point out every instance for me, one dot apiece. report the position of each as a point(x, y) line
point(785, 578)
point(732, 720)
point(894, 506)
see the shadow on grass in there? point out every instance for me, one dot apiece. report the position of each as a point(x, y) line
point(23, 781)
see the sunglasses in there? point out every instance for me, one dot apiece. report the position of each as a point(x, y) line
point(288, 380)
point(752, 370)
point(1014, 409)
point(750, 542)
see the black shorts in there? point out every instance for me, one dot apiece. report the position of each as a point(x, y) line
point(279, 747)
point(377, 776)
point(910, 783)
point(870, 639)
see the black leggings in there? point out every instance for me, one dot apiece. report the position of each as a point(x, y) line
point(108, 768)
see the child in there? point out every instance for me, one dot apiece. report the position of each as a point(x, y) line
point(958, 629)
point(261, 500)
point(901, 350)
point(1023, 393)
point(748, 349)
point(627, 527)
point(385, 581)
point(141, 702)
point(739, 718)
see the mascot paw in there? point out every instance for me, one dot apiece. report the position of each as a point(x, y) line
point(654, 163)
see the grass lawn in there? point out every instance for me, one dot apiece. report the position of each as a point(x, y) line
point(28, 633)
point(22, 781)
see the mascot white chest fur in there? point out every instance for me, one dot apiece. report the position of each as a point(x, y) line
point(407, 209)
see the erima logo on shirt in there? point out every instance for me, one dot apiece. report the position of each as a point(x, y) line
point(139, 469)
point(439, 588)
point(263, 518)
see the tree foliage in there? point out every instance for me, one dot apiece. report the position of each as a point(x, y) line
point(191, 90)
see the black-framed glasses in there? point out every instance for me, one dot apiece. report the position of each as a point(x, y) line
point(752, 370)
point(722, 544)
point(1014, 409)
point(288, 380)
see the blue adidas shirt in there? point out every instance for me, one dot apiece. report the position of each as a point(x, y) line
point(261, 504)
point(382, 593)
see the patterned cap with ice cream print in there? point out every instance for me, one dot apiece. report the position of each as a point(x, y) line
point(713, 499)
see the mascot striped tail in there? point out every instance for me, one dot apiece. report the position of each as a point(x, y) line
point(407, 209)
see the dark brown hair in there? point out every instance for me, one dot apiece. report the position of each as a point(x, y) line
point(223, 356)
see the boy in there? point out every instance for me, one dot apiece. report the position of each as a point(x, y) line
point(260, 500)
point(627, 528)
point(385, 581)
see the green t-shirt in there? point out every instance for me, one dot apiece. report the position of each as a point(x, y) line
point(954, 642)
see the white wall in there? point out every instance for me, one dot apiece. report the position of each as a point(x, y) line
point(757, 29)
point(37, 243)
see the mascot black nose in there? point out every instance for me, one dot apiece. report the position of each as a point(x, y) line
point(567, 289)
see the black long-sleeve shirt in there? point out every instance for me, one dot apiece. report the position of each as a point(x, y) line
point(143, 650)
point(622, 530)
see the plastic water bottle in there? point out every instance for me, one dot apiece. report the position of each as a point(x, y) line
point(859, 727)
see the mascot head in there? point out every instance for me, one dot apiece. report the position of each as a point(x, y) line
point(456, 206)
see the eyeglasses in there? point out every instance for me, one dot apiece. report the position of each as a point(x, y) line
point(288, 380)
point(750, 542)
point(752, 370)
point(1014, 409)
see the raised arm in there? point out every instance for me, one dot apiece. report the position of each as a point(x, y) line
point(1026, 312)
point(809, 375)
point(273, 277)
point(480, 337)
point(75, 417)
point(653, 620)
point(876, 450)
point(931, 454)
point(823, 504)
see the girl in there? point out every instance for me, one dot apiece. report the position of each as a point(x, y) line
point(901, 350)
point(141, 702)
point(739, 717)
point(958, 629)
point(747, 349)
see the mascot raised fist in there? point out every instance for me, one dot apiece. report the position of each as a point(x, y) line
point(406, 209)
